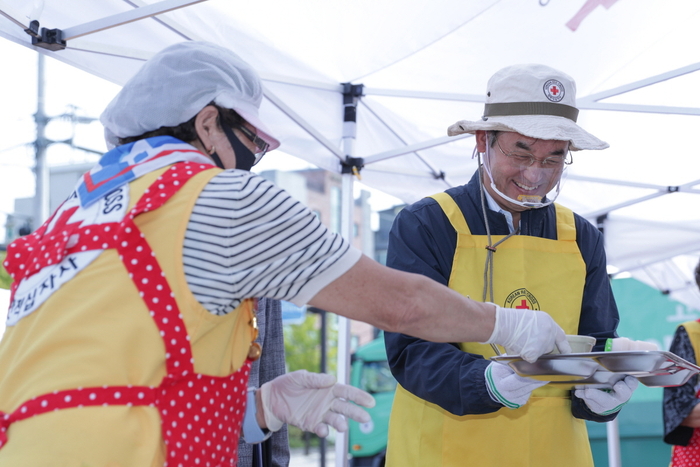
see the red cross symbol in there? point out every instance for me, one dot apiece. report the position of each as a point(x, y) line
point(554, 90)
point(523, 305)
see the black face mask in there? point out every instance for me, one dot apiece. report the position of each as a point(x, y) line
point(244, 156)
point(245, 159)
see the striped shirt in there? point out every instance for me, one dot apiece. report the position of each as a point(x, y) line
point(248, 238)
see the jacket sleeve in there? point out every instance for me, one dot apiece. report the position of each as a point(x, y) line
point(438, 373)
point(266, 368)
point(599, 315)
point(273, 365)
point(679, 401)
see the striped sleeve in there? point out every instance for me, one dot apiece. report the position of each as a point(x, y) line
point(247, 238)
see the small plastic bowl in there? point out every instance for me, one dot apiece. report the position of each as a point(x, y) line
point(579, 344)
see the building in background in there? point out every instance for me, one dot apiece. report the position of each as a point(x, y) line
point(381, 236)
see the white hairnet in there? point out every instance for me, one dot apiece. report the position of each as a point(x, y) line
point(178, 82)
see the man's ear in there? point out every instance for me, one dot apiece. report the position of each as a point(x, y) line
point(481, 141)
point(205, 123)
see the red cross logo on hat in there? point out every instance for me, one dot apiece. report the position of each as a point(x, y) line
point(553, 90)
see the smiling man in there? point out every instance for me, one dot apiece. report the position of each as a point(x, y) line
point(501, 239)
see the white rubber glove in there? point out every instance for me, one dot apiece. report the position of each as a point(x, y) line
point(528, 333)
point(312, 401)
point(507, 387)
point(608, 401)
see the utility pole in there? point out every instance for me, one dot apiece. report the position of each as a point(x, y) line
point(41, 144)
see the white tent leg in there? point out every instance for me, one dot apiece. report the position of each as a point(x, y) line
point(41, 169)
point(350, 98)
point(613, 432)
point(341, 440)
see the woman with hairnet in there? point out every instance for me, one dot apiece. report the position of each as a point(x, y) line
point(131, 327)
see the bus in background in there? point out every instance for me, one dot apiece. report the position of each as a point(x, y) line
point(370, 372)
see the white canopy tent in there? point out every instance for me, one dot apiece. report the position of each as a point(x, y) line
point(418, 66)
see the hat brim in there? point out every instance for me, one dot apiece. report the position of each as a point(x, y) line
point(250, 115)
point(262, 132)
point(535, 126)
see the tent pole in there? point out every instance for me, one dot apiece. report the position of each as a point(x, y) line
point(126, 17)
point(613, 432)
point(409, 148)
point(612, 428)
point(306, 126)
point(41, 170)
point(349, 168)
point(343, 366)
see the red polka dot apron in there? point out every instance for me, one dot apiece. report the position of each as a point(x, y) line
point(689, 456)
point(201, 415)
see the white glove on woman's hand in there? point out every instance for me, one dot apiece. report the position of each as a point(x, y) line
point(506, 387)
point(608, 401)
point(312, 401)
point(528, 333)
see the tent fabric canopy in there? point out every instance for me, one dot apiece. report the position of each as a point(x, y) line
point(424, 65)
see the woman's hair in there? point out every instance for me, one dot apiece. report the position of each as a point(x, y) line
point(186, 131)
point(697, 274)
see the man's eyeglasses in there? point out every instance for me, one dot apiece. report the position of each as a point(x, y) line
point(524, 159)
point(259, 143)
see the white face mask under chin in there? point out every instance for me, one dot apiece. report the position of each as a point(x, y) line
point(530, 204)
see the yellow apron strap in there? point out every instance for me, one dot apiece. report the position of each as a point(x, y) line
point(566, 227)
point(453, 213)
point(693, 330)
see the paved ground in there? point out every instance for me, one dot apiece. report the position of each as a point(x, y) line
point(313, 459)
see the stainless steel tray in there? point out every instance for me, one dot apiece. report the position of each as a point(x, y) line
point(653, 368)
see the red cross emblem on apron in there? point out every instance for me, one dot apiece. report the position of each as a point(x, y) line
point(201, 415)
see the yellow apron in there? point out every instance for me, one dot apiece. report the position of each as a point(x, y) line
point(90, 347)
point(529, 272)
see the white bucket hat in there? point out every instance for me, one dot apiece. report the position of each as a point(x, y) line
point(535, 101)
point(178, 82)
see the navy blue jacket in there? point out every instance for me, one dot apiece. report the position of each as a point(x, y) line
point(679, 401)
point(422, 240)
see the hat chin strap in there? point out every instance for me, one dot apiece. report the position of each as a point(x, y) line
point(525, 204)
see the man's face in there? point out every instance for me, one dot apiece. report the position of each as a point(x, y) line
point(512, 175)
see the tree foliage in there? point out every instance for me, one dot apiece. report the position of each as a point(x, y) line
point(302, 344)
point(5, 279)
